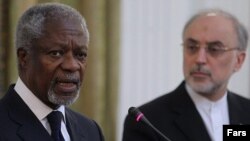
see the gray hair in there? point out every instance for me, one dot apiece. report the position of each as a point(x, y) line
point(31, 24)
point(240, 29)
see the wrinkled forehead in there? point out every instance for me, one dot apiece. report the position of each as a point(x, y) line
point(212, 27)
point(211, 23)
point(60, 25)
point(72, 23)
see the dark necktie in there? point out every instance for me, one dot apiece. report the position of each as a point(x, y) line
point(55, 119)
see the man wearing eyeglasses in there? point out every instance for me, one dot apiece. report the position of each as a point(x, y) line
point(214, 48)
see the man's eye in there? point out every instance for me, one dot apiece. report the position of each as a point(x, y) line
point(192, 48)
point(56, 53)
point(81, 55)
point(214, 49)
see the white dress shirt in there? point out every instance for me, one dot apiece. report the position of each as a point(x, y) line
point(214, 113)
point(40, 109)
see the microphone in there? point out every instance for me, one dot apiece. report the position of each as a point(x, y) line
point(139, 116)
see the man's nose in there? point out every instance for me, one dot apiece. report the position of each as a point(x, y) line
point(70, 63)
point(201, 56)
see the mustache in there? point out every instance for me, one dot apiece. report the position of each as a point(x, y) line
point(67, 78)
point(201, 69)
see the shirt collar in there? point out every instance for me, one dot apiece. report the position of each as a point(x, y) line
point(40, 109)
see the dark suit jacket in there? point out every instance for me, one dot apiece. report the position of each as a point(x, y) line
point(175, 115)
point(18, 123)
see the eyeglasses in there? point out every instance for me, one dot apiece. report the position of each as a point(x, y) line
point(214, 49)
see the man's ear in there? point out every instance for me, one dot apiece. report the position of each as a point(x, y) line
point(240, 60)
point(22, 56)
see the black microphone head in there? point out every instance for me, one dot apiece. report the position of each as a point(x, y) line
point(136, 113)
point(133, 111)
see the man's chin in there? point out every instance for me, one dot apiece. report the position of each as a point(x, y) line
point(63, 99)
point(200, 87)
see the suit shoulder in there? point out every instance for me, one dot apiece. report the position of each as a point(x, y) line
point(166, 99)
point(238, 99)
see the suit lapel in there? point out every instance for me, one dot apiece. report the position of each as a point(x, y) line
point(29, 128)
point(237, 115)
point(29, 132)
point(76, 133)
point(192, 126)
point(189, 120)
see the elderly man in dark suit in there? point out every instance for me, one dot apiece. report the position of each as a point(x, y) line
point(52, 48)
point(214, 48)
